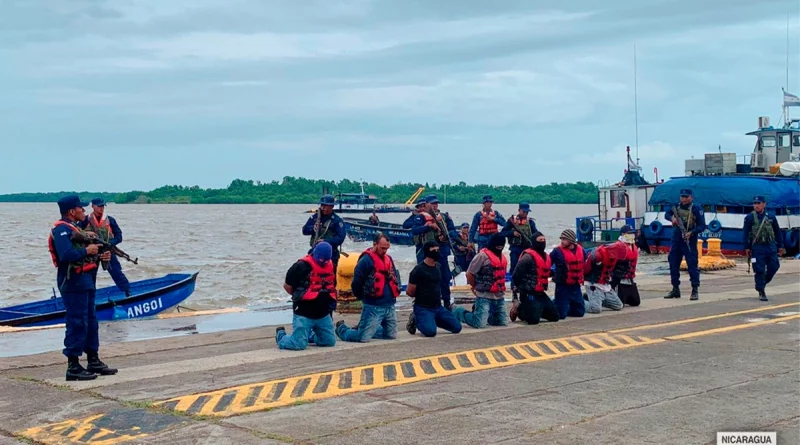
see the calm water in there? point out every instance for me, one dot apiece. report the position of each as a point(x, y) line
point(242, 251)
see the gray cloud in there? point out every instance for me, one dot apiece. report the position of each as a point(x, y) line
point(264, 83)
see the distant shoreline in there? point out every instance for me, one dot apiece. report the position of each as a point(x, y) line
point(293, 190)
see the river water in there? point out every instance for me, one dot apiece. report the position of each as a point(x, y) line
point(241, 251)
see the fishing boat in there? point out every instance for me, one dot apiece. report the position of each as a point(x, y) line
point(360, 230)
point(365, 203)
point(148, 297)
point(723, 187)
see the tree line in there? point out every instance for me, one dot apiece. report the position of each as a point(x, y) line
point(293, 190)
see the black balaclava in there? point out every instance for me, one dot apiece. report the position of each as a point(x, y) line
point(496, 244)
point(538, 245)
point(429, 253)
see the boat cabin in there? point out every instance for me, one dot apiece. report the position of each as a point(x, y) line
point(623, 203)
point(354, 201)
point(774, 146)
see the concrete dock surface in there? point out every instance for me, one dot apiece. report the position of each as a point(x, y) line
point(669, 371)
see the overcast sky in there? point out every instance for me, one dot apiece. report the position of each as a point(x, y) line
point(124, 94)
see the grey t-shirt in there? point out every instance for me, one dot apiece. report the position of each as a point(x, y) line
point(480, 261)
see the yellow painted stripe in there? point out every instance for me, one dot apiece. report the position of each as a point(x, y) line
point(708, 317)
point(732, 328)
point(292, 390)
point(283, 392)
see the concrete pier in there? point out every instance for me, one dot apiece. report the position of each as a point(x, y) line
point(669, 371)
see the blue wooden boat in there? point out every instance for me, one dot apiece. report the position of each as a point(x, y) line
point(360, 230)
point(148, 297)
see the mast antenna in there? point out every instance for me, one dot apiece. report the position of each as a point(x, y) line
point(636, 103)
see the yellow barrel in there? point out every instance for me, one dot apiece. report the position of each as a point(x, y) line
point(346, 301)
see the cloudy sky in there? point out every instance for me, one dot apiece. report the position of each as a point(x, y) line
point(134, 94)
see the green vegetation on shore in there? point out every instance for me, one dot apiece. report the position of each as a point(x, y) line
point(293, 190)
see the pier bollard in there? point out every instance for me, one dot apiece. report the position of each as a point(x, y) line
point(715, 247)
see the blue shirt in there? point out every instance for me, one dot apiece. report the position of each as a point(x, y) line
point(364, 268)
point(66, 280)
point(336, 228)
point(697, 216)
point(748, 226)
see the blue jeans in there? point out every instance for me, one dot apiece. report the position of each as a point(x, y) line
point(492, 312)
point(678, 251)
point(81, 322)
point(376, 322)
point(766, 265)
point(307, 330)
point(569, 300)
point(427, 320)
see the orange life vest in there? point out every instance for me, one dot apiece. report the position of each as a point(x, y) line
point(487, 225)
point(384, 270)
point(102, 228)
point(499, 265)
point(321, 279)
point(542, 269)
point(82, 266)
point(631, 259)
point(574, 264)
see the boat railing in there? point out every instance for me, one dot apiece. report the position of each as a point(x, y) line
point(593, 228)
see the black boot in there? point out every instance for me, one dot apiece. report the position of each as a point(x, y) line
point(676, 292)
point(76, 372)
point(98, 367)
point(411, 325)
point(694, 296)
point(762, 296)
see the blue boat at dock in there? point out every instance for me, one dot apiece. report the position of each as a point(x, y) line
point(148, 297)
point(360, 230)
point(723, 187)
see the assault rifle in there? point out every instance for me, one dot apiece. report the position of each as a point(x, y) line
point(83, 238)
point(684, 230)
point(518, 230)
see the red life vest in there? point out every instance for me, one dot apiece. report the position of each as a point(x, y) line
point(542, 269)
point(499, 265)
point(321, 278)
point(574, 264)
point(79, 267)
point(601, 274)
point(384, 269)
point(633, 258)
point(487, 224)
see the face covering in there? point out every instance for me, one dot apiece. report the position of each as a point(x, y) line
point(322, 253)
point(496, 244)
point(430, 253)
point(628, 238)
point(537, 245)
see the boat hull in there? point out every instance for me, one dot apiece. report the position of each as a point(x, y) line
point(730, 232)
point(149, 298)
point(359, 230)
